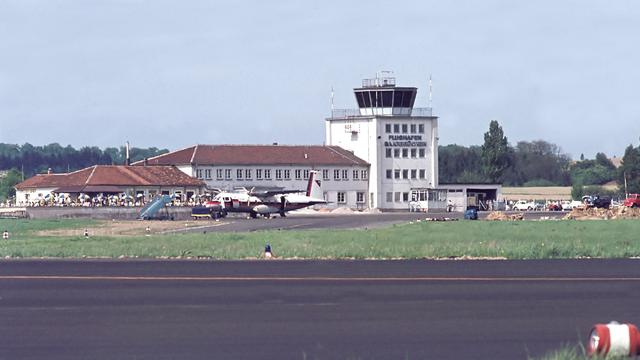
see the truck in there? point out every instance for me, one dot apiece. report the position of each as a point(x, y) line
point(597, 201)
point(632, 201)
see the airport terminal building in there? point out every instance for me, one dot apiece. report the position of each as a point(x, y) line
point(382, 154)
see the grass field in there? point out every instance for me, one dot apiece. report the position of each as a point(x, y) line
point(511, 240)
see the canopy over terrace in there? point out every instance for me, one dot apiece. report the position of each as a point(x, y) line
point(142, 181)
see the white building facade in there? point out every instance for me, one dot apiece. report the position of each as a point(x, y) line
point(399, 142)
point(344, 177)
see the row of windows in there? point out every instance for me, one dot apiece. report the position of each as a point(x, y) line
point(397, 197)
point(344, 174)
point(342, 197)
point(396, 152)
point(406, 174)
point(280, 174)
point(404, 128)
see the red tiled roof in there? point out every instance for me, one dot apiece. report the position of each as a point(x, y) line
point(308, 155)
point(114, 175)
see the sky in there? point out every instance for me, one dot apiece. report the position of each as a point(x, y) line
point(170, 74)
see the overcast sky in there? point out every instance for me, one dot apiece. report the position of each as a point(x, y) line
point(175, 73)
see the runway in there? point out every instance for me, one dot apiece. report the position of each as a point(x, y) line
point(337, 221)
point(307, 309)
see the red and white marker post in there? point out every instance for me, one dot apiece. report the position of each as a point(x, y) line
point(614, 339)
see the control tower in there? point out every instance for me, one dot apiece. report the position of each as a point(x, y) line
point(399, 141)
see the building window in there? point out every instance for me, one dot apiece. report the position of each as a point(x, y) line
point(396, 128)
point(389, 174)
point(227, 174)
point(259, 174)
point(387, 152)
point(421, 153)
point(414, 173)
point(247, 173)
point(336, 174)
point(397, 196)
point(412, 128)
point(287, 174)
point(360, 197)
point(199, 173)
point(405, 153)
point(396, 153)
point(219, 174)
point(404, 128)
point(396, 174)
point(389, 197)
point(345, 174)
point(421, 128)
point(239, 173)
point(422, 173)
point(405, 174)
point(414, 153)
point(325, 174)
point(207, 173)
point(267, 174)
point(305, 174)
point(342, 198)
point(364, 174)
point(405, 196)
point(298, 174)
point(355, 174)
point(387, 128)
point(278, 174)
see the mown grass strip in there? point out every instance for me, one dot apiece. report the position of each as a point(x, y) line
point(511, 240)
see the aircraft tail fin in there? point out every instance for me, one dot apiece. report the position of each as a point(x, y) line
point(314, 189)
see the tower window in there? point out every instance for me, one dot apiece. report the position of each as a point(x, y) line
point(405, 174)
point(396, 174)
point(388, 174)
point(405, 153)
point(413, 152)
point(387, 152)
point(404, 128)
point(421, 128)
point(396, 153)
point(421, 152)
point(396, 128)
point(412, 128)
point(387, 128)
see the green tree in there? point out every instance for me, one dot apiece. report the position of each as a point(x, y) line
point(577, 191)
point(7, 183)
point(630, 169)
point(496, 155)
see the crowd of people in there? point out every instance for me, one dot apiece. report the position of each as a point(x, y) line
point(103, 200)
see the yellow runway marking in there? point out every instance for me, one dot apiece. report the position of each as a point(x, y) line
point(312, 278)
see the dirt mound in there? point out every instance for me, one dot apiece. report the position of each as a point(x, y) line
point(501, 216)
point(621, 212)
point(342, 210)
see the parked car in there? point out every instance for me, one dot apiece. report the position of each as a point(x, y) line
point(597, 201)
point(524, 205)
point(568, 205)
point(633, 200)
point(554, 206)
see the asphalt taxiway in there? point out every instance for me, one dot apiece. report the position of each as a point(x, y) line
point(307, 221)
point(308, 309)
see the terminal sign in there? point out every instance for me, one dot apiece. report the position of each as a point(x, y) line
point(405, 140)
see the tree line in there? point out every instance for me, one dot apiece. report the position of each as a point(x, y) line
point(533, 163)
point(18, 162)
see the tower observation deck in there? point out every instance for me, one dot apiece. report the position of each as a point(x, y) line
point(381, 97)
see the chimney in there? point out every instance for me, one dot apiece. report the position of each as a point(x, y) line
point(127, 160)
point(49, 171)
point(146, 161)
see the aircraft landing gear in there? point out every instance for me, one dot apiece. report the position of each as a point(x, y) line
point(253, 214)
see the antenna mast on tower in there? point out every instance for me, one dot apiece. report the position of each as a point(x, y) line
point(430, 92)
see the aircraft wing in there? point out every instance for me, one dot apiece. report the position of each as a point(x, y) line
point(267, 193)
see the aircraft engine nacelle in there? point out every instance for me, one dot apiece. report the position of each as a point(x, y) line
point(263, 209)
point(614, 339)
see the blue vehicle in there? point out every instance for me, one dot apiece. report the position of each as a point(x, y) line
point(471, 213)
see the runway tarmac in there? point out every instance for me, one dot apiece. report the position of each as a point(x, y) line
point(336, 221)
point(307, 309)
